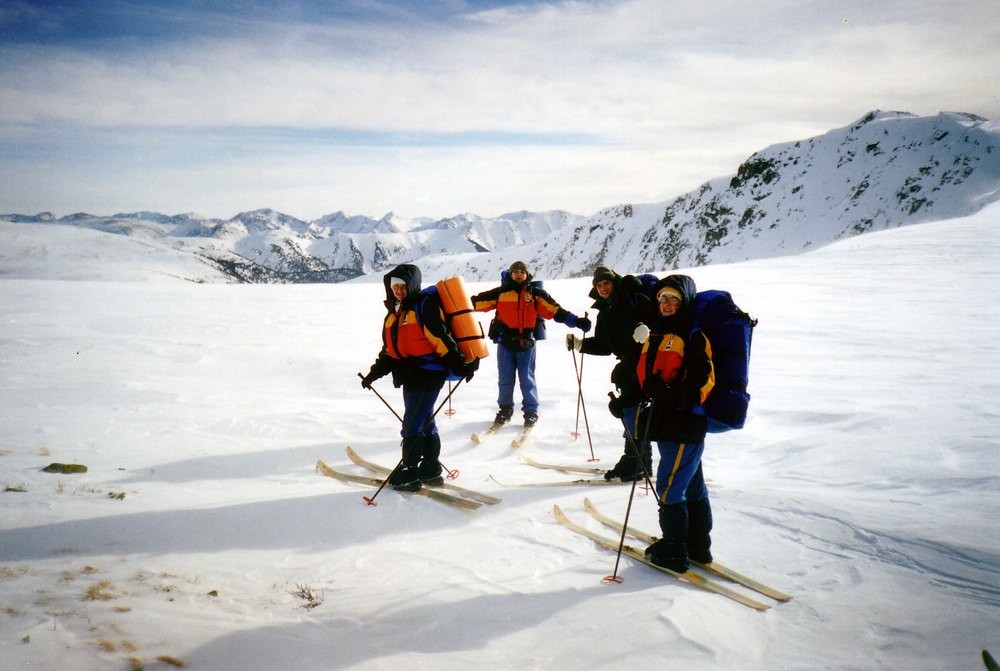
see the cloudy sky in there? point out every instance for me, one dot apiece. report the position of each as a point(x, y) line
point(437, 107)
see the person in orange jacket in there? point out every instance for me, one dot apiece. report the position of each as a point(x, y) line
point(675, 375)
point(420, 353)
point(519, 303)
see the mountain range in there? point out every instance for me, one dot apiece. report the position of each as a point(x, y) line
point(887, 169)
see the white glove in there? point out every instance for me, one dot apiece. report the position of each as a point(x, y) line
point(641, 333)
point(572, 342)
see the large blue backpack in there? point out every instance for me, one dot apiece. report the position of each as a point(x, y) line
point(730, 333)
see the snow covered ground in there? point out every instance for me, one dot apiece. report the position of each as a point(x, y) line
point(866, 483)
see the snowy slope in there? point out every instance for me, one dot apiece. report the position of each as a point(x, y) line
point(865, 482)
point(886, 170)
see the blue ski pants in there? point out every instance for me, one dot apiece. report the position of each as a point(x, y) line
point(519, 365)
point(678, 475)
point(418, 411)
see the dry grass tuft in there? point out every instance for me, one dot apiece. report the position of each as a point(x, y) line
point(100, 592)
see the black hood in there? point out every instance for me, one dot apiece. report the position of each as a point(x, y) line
point(410, 274)
point(682, 283)
point(680, 322)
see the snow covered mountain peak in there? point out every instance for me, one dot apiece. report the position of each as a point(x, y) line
point(886, 169)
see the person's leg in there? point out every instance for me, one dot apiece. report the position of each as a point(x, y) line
point(430, 464)
point(632, 466)
point(529, 388)
point(680, 464)
point(699, 519)
point(506, 371)
point(418, 411)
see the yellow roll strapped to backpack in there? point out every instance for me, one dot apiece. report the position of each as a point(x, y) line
point(465, 328)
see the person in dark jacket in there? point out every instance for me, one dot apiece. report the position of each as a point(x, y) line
point(622, 307)
point(675, 376)
point(519, 303)
point(420, 353)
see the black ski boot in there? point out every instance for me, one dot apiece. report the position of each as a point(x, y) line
point(699, 528)
point(430, 467)
point(406, 478)
point(530, 417)
point(627, 469)
point(504, 415)
point(670, 551)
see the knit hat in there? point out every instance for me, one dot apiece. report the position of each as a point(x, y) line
point(519, 265)
point(669, 291)
point(604, 273)
point(396, 280)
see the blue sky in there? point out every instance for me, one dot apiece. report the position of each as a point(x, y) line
point(437, 108)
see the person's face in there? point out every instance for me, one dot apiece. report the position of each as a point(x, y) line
point(518, 275)
point(604, 288)
point(399, 291)
point(669, 305)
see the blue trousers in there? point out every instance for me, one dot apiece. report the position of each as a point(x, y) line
point(678, 476)
point(519, 365)
point(418, 412)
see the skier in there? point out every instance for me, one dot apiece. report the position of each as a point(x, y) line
point(519, 303)
point(622, 310)
point(420, 353)
point(675, 375)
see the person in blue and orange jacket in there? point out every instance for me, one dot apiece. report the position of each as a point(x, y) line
point(519, 303)
point(420, 353)
point(675, 374)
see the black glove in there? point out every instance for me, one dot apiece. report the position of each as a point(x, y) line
point(615, 406)
point(382, 367)
point(583, 323)
point(470, 369)
point(455, 363)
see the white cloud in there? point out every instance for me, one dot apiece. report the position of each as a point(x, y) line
point(654, 97)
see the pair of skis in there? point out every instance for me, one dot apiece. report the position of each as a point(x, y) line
point(447, 492)
point(487, 433)
point(694, 576)
point(467, 499)
point(564, 468)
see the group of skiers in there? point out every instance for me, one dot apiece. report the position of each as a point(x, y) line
point(663, 374)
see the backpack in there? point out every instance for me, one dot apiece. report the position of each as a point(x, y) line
point(459, 321)
point(648, 288)
point(730, 332)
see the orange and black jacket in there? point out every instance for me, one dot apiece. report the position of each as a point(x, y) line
point(676, 374)
point(416, 346)
point(518, 307)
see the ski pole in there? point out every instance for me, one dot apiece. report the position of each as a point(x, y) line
point(614, 577)
point(579, 389)
point(579, 393)
point(586, 422)
point(382, 398)
point(628, 510)
point(630, 441)
point(449, 412)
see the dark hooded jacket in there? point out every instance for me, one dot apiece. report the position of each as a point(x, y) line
point(617, 317)
point(673, 413)
point(416, 346)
